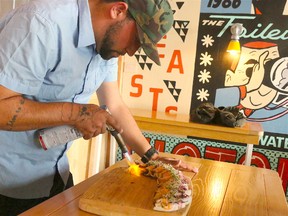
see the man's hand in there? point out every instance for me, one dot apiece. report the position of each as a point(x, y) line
point(177, 164)
point(92, 121)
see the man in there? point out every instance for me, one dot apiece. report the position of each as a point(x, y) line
point(53, 56)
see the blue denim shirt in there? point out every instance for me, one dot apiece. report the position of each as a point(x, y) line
point(47, 53)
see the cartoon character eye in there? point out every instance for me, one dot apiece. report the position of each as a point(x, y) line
point(249, 72)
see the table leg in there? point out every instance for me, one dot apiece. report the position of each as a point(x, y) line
point(96, 154)
point(248, 156)
point(98, 146)
point(113, 150)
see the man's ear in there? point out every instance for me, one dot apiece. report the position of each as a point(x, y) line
point(118, 10)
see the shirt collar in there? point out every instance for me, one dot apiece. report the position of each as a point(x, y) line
point(86, 34)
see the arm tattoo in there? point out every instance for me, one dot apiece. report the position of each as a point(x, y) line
point(12, 121)
point(84, 111)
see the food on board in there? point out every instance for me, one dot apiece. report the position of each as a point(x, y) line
point(174, 189)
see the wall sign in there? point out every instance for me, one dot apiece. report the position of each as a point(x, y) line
point(226, 6)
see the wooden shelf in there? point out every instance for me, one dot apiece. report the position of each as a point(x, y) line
point(179, 124)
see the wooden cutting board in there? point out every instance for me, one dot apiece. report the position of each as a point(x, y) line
point(120, 193)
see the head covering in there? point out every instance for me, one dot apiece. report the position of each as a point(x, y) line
point(154, 18)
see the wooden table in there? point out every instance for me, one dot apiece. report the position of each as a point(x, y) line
point(219, 188)
point(179, 124)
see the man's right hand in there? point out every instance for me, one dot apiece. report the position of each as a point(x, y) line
point(92, 121)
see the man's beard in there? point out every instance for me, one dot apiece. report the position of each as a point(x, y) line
point(106, 51)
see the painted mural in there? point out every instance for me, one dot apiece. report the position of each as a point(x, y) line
point(256, 80)
point(196, 68)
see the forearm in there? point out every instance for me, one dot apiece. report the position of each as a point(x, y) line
point(131, 134)
point(19, 113)
point(108, 94)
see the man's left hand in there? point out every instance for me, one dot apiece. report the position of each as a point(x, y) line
point(177, 164)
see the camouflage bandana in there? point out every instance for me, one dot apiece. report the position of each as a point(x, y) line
point(154, 18)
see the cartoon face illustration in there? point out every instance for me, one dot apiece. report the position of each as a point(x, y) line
point(242, 72)
point(250, 72)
